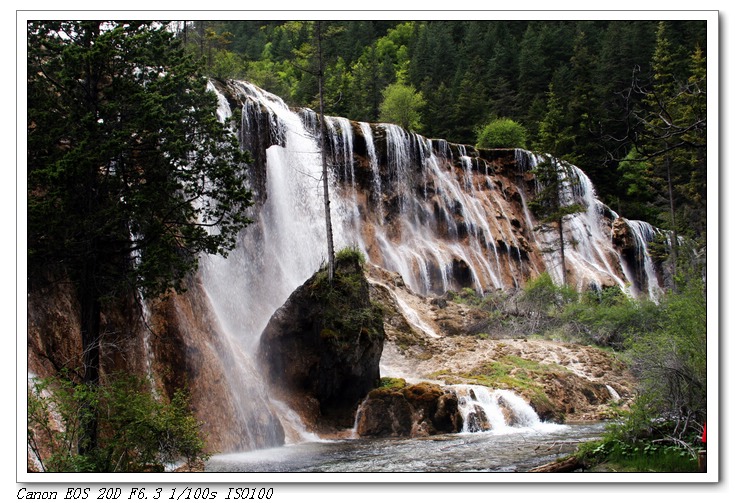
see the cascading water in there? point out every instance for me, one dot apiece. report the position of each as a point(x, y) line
point(443, 216)
point(498, 411)
point(592, 256)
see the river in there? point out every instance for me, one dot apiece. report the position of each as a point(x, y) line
point(509, 451)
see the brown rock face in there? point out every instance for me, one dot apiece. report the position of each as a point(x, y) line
point(415, 411)
point(321, 350)
point(227, 394)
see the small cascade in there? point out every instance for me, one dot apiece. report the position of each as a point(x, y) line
point(642, 272)
point(295, 430)
point(376, 188)
point(496, 411)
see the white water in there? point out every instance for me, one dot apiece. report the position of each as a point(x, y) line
point(497, 411)
point(442, 223)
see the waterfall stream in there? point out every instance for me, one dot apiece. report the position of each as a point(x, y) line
point(443, 216)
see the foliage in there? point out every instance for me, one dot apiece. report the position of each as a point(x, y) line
point(347, 310)
point(402, 105)
point(502, 133)
point(608, 317)
point(668, 131)
point(350, 253)
point(542, 297)
point(639, 457)
point(663, 428)
point(671, 362)
point(130, 174)
point(137, 431)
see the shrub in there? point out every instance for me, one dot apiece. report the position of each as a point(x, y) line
point(502, 133)
point(136, 431)
point(350, 253)
point(609, 317)
point(542, 297)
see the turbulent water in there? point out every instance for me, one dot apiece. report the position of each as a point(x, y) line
point(516, 451)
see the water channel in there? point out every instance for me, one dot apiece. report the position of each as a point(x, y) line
point(518, 450)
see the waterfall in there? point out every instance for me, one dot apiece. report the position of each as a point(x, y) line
point(443, 216)
point(644, 271)
point(283, 246)
point(286, 242)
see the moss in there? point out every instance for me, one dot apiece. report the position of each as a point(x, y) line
point(347, 311)
point(392, 383)
point(422, 392)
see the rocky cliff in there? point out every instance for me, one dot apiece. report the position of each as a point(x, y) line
point(321, 350)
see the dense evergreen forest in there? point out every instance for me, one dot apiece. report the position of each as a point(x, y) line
point(623, 100)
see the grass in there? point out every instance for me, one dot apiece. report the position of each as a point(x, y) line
point(512, 372)
point(641, 457)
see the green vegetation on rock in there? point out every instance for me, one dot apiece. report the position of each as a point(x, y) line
point(342, 314)
point(395, 383)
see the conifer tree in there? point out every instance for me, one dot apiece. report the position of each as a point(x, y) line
point(554, 178)
point(130, 174)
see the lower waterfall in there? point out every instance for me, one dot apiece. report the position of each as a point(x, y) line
point(499, 411)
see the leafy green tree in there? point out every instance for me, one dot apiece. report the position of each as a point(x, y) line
point(138, 432)
point(502, 133)
point(636, 178)
point(402, 105)
point(130, 174)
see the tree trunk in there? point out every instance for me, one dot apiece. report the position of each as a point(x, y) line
point(90, 332)
point(672, 215)
point(559, 466)
point(560, 222)
point(560, 226)
point(325, 177)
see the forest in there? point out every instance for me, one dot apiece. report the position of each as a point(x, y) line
point(624, 101)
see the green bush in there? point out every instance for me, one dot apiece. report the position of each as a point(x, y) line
point(671, 362)
point(136, 431)
point(542, 297)
point(609, 317)
point(666, 345)
point(640, 456)
point(350, 253)
point(502, 133)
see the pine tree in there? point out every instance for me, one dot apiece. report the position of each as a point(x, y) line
point(669, 129)
point(554, 177)
point(130, 175)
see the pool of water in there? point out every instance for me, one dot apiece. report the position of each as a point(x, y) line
point(507, 451)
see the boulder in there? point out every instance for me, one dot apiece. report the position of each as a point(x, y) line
point(414, 411)
point(321, 350)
